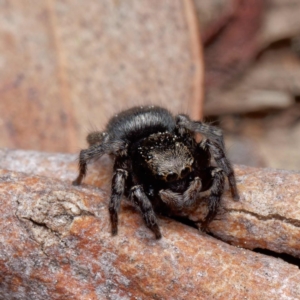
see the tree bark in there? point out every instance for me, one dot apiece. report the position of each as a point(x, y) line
point(56, 242)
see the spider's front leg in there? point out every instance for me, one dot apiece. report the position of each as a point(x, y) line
point(222, 161)
point(180, 201)
point(216, 191)
point(117, 191)
point(216, 146)
point(139, 198)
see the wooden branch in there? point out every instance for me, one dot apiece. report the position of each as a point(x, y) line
point(55, 238)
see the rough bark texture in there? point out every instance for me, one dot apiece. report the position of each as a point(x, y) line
point(267, 215)
point(56, 244)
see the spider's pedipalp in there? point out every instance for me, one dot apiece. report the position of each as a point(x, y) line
point(191, 195)
point(171, 198)
point(186, 200)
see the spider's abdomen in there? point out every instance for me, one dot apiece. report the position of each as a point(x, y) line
point(139, 122)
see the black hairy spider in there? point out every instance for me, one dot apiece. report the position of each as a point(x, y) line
point(158, 164)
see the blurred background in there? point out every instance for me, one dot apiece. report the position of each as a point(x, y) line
point(67, 66)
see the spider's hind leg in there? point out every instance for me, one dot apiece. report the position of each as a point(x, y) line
point(95, 137)
point(211, 132)
point(94, 151)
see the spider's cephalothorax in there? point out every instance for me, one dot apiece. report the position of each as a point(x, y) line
point(158, 164)
point(164, 156)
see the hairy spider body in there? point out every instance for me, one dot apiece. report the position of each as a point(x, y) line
point(158, 164)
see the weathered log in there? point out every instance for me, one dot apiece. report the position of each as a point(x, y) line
point(56, 243)
point(267, 215)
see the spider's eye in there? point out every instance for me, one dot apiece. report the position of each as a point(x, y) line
point(185, 171)
point(160, 176)
point(171, 177)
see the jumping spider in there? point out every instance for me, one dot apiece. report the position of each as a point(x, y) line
point(158, 164)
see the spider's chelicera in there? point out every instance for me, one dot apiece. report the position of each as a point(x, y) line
point(158, 164)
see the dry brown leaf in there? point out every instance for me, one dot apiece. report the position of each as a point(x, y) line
point(66, 67)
